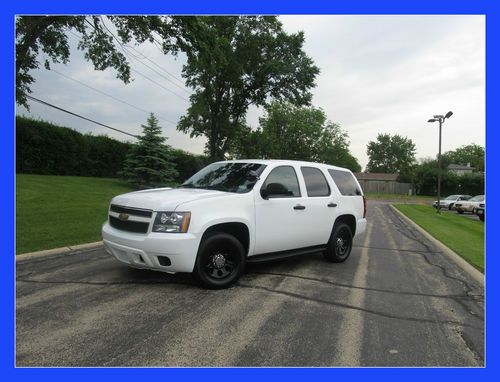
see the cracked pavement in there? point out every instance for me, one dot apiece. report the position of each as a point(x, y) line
point(397, 301)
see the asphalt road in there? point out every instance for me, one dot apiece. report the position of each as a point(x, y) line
point(397, 301)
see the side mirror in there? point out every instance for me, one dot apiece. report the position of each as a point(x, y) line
point(274, 189)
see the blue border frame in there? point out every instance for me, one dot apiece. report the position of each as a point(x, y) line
point(7, 163)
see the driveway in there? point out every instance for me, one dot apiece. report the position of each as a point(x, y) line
point(397, 301)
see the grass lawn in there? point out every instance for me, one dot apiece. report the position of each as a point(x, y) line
point(414, 199)
point(57, 211)
point(462, 235)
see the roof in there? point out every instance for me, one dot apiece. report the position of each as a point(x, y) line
point(284, 162)
point(459, 167)
point(376, 176)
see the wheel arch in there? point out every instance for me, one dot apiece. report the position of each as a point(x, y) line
point(348, 219)
point(237, 229)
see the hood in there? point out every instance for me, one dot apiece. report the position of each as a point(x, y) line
point(164, 199)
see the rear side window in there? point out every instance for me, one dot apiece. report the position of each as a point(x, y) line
point(281, 183)
point(316, 183)
point(345, 182)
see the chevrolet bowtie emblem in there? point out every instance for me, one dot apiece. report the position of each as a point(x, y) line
point(123, 217)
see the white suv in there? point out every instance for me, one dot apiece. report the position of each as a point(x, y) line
point(236, 212)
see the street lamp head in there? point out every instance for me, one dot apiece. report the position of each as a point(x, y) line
point(432, 120)
point(449, 114)
point(438, 116)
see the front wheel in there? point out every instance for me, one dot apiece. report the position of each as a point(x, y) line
point(220, 261)
point(450, 207)
point(460, 211)
point(339, 246)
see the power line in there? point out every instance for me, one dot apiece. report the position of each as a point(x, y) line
point(157, 84)
point(138, 72)
point(157, 72)
point(78, 115)
point(109, 95)
point(154, 63)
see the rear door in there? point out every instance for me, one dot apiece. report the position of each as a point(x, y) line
point(321, 206)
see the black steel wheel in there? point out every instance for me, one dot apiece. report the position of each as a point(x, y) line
point(340, 244)
point(220, 261)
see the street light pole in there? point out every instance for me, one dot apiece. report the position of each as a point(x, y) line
point(440, 119)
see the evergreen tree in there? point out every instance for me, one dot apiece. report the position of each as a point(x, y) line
point(149, 161)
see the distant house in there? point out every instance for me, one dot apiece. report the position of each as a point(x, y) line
point(382, 183)
point(459, 169)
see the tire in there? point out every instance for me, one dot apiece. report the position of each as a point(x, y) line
point(481, 217)
point(338, 252)
point(450, 207)
point(220, 261)
point(460, 211)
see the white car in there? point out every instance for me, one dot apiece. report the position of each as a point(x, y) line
point(236, 212)
point(469, 205)
point(449, 201)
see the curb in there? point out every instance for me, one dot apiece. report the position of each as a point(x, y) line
point(459, 260)
point(57, 251)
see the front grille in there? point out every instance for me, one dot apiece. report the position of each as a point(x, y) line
point(131, 211)
point(128, 225)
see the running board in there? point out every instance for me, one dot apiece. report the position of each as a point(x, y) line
point(273, 256)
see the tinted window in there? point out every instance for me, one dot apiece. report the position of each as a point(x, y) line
point(345, 182)
point(281, 183)
point(316, 183)
point(229, 177)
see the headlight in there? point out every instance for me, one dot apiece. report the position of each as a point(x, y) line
point(175, 222)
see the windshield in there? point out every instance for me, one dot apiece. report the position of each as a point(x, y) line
point(228, 177)
point(452, 197)
point(477, 198)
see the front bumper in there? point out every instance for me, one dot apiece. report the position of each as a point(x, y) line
point(143, 250)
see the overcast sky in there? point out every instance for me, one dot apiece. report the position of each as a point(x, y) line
point(379, 74)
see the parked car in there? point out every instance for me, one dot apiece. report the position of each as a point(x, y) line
point(481, 211)
point(236, 212)
point(449, 201)
point(469, 205)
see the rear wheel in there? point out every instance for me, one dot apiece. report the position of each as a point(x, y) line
point(450, 207)
point(340, 244)
point(220, 261)
point(460, 211)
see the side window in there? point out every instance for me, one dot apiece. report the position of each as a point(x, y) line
point(316, 183)
point(281, 183)
point(345, 182)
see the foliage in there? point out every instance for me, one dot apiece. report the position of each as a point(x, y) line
point(49, 34)
point(426, 177)
point(57, 211)
point(187, 164)
point(464, 236)
point(44, 148)
point(391, 154)
point(296, 132)
point(473, 154)
point(149, 163)
point(233, 62)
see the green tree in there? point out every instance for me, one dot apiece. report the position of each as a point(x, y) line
point(233, 62)
point(149, 162)
point(391, 154)
point(49, 34)
point(473, 154)
point(296, 132)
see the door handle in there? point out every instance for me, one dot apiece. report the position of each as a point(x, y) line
point(299, 207)
point(331, 204)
